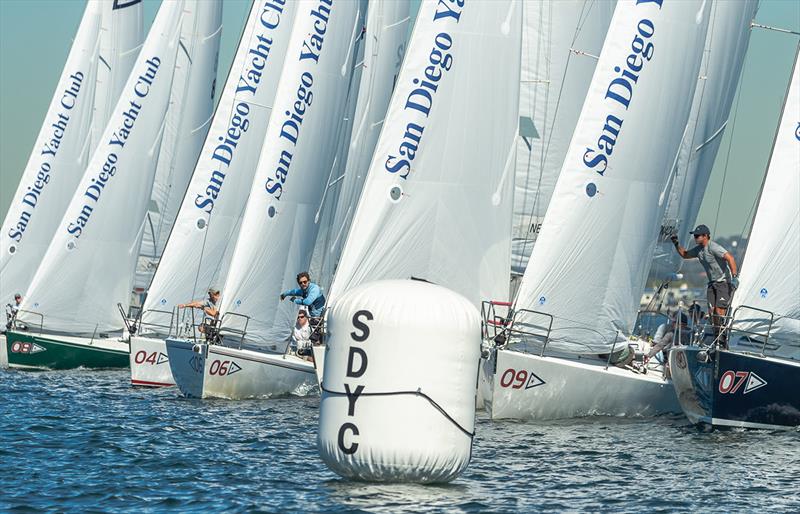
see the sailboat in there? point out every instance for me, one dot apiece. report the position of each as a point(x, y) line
point(71, 306)
point(581, 288)
point(199, 249)
point(278, 232)
point(437, 200)
point(101, 58)
point(755, 384)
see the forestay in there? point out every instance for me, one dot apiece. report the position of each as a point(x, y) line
point(103, 50)
point(770, 277)
point(386, 38)
point(198, 250)
point(723, 58)
point(278, 230)
point(185, 128)
point(560, 42)
point(437, 199)
point(88, 267)
point(593, 254)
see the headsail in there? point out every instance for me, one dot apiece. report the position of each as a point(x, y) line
point(185, 128)
point(560, 42)
point(770, 277)
point(89, 264)
point(208, 222)
point(723, 59)
point(66, 139)
point(593, 254)
point(277, 235)
point(437, 199)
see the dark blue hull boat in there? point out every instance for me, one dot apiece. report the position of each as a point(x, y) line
point(731, 389)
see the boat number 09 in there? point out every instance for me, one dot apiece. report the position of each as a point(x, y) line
point(730, 381)
point(513, 378)
point(219, 367)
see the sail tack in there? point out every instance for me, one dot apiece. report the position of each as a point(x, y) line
point(592, 256)
point(437, 199)
point(104, 50)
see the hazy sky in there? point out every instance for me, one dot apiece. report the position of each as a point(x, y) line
point(35, 37)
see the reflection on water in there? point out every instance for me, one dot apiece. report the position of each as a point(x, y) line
point(78, 440)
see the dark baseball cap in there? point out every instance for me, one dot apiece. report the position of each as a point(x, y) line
point(701, 230)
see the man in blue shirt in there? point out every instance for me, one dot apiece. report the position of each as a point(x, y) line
point(309, 294)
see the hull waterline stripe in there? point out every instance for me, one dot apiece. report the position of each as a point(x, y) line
point(153, 384)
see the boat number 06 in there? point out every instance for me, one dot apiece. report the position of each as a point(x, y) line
point(223, 368)
point(515, 379)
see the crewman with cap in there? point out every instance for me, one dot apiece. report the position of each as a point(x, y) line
point(721, 271)
point(208, 306)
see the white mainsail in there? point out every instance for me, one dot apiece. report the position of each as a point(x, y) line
point(278, 232)
point(88, 267)
point(770, 277)
point(66, 141)
point(560, 39)
point(436, 203)
point(723, 58)
point(207, 224)
point(386, 38)
point(592, 257)
point(185, 128)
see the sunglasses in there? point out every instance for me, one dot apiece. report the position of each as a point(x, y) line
point(304, 281)
point(301, 316)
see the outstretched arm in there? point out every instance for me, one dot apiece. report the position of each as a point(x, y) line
point(678, 248)
point(731, 263)
point(313, 293)
point(197, 304)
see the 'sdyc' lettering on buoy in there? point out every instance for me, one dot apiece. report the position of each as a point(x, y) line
point(356, 367)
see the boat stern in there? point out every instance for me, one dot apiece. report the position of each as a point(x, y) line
point(187, 362)
point(150, 363)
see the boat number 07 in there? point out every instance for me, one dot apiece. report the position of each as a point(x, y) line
point(515, 379)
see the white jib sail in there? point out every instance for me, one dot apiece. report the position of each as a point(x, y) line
point(88, 267)
point(723, 58)
point(65, 140)
point(185, 128)
point(770, 277)
point(198, 250)
point(277, 235)
point(437, 199)
point(593, 254)
point(560, 42)
point(386, 38)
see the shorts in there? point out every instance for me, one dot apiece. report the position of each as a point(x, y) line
point(719, 294)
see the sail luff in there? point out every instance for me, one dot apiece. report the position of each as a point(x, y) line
point(198, 251)
point(591, 259)
point(88, 267)
point(770, 276)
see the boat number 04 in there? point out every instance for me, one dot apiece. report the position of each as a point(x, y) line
point(517, 379)
point(154, 358)
point(731, 381)
point(223, 368)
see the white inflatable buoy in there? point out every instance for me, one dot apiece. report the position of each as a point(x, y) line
point(398, 392)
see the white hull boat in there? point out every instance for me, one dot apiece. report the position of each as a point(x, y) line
point(201, 370)
point(534, 387)
point(150, 363)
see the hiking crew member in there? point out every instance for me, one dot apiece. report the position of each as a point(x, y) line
point(721, 271)
point(12, 309)
point(301, 335)
point(208, 306)
point(309, 294)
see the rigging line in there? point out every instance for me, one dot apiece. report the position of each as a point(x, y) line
point(418, 392)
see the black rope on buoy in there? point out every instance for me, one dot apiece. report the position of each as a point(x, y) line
point(418, 392)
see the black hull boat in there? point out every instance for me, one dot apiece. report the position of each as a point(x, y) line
point(724, 388)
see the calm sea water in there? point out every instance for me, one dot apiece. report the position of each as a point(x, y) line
point(86, 441)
